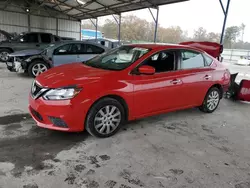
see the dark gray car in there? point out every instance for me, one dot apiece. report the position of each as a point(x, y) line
point(31, 40)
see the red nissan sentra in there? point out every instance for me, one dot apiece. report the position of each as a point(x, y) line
point(127, 83)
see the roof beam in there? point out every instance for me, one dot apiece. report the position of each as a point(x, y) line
point(105, 6)
point(64, 3)
point(117, 4)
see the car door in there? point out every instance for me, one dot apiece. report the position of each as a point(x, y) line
point(196, 77)
point(88, 51)
point(46, 39)
point(27, 41)
point(160, 91)
point(64, 54)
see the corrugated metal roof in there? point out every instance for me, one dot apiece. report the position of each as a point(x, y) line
point(95, 8)
point(85, 9)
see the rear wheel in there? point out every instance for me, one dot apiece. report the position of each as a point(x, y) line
point(4, 55)
point(211, 101)
point(37, 67)
point(105, 118)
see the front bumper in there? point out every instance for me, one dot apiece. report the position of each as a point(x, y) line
point(15, 66)
point(58, 115)
point(10, 66)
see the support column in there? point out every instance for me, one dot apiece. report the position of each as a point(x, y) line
point(80, 29)
point(118, 21)
point(119, 29)
point(225, 11)
point(57, 26)
point(96, 27)
point(29, 29)
point(95, 24)
point(156, 21)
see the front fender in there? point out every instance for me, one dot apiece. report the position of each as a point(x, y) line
point(94, 92)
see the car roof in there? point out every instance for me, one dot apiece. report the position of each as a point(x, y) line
point(162, 46)
point(57, 44)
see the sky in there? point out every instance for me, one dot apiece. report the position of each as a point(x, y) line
point(200, 13)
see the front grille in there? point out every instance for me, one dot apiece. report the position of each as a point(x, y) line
point(37, 90)
point(36, 114)
point(58, 122)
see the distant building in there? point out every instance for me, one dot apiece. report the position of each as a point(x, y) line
point(90, 34)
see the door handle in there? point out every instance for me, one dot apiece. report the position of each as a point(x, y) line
point(175, 81)
point(207, 77)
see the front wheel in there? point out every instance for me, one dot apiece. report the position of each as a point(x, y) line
point(37, 67)
point(211, 101)
point(4, 55)
point(105, 118)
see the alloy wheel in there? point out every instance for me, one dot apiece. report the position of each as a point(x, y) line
point(107, 119)
point(38, 69)
point(4, 56)
point(213, 100)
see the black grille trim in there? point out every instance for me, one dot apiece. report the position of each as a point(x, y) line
point(37, 90)
point(58, 122)
point(36, 114)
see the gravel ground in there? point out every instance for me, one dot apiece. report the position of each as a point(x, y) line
point(180, 149)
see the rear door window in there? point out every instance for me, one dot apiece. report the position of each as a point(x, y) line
point(191, 60)
point(92, 49)
point(30, 38)
point(75, 48)
point(45, 38)
point(208, 59)
point(57, 38)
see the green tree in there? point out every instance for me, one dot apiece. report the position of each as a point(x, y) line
point(213, 37)
point(231, 35)
point(200, 34)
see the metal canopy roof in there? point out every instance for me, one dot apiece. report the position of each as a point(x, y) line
point(96, 8)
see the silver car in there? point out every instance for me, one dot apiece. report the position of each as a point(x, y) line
point(55, 55)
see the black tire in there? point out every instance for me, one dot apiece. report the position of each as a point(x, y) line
point(89, 122)
point(205, 105)
point(30, 67)
point(2, 51)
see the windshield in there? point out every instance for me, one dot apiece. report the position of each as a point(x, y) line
point(118, 58)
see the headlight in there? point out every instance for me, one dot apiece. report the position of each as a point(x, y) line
point(61, 94)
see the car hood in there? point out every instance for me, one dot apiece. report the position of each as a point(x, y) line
point(71, 74)
point(6, 34)
point(25, 53)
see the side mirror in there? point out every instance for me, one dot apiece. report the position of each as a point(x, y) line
point(147, 70)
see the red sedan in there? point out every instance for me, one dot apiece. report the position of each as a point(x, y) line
point(127, 83)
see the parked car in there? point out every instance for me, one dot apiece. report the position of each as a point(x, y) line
point(15, 59)
point(67, 38)
point(55, 55)
point(127, 83)
point(31, 40)
point(244, 60)
point(5, 36)
point(109, 43)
